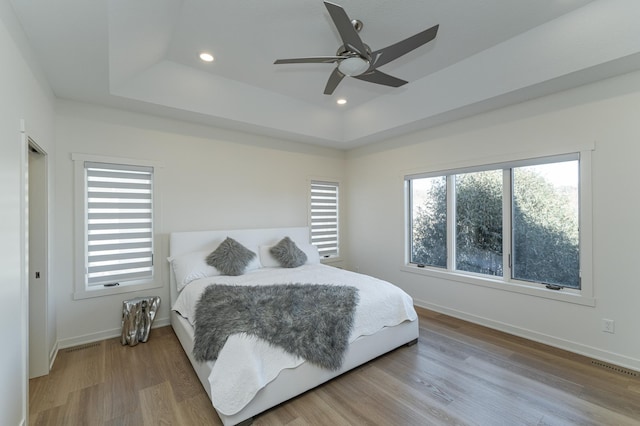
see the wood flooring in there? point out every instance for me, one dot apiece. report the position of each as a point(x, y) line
point(458, 374)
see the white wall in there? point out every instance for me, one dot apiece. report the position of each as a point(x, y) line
point(211, 179)
point(605, 113)
point(23, 97)
point(221, 179)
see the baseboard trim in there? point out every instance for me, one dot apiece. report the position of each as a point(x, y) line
point(101, 335)
point(567, 345)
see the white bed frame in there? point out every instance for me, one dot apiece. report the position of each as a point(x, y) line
point(290, 382)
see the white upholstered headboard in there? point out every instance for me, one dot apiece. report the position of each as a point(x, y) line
point(190, 241)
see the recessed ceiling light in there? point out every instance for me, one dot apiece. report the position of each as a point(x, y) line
point(207, 57)
point(341, 101)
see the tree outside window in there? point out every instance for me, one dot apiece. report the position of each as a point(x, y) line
point(544, 222)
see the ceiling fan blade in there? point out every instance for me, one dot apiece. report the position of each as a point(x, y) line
point(334, 79)
point(313, 60)
point(389, 53)
point(379, 77)
point(348, 33)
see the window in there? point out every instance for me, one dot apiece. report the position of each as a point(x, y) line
point(478, 218)
point(117, 227)
point(516, 223)
point(546, 216)
point(324, 217)
point(429, 221)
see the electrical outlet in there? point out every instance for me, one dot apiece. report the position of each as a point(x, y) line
point(608, 326)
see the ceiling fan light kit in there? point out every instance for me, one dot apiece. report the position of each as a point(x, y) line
point(355, 59)
point(353, 66)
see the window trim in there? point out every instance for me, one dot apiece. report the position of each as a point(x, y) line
point(81, 289)
point(583, 296)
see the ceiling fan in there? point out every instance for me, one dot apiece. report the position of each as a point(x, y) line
point(355, 59)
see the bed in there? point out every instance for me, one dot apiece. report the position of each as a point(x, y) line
point(249, 375)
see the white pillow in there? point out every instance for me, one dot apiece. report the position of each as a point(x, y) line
point(268, 261)
point(191, 266)
point(313, 256)
point(255, 262)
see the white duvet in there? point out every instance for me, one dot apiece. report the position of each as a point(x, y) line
point(246, 363)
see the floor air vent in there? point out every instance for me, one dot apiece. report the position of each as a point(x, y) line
point(615, 368)
point(81, 347)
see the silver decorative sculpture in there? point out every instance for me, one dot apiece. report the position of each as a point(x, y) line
point(137, 317)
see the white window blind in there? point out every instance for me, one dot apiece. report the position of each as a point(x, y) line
point(119, 243)
point(324, 217)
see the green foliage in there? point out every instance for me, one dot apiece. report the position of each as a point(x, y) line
point(430, 227)
point(546, 235)
point(479, 222)
point(545, 228)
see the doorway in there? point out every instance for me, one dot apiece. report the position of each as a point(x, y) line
point(37, 194)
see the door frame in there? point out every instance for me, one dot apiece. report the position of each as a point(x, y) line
point(41, 365)
point(24, 267)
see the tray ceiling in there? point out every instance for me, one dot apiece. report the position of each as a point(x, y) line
point(142, 55)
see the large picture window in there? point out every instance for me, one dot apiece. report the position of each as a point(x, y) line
point(515, 222)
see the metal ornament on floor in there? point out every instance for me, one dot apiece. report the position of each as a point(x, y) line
point(137, 318)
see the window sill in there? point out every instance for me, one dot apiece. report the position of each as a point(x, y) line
point(110, 291)
point(563, 295)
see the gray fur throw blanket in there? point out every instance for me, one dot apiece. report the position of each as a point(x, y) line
point(312, 321)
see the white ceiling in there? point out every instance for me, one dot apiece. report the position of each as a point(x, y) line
point(142, 55)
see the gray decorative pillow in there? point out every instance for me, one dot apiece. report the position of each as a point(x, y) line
point(231, 257)
point(288, 254)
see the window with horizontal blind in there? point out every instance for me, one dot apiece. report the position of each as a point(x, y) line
point(119, 223)
point(117, 215)
point(324, 221)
